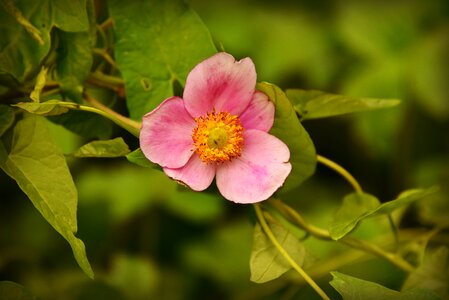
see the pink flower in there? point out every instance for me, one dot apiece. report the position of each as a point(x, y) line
point(219, 129)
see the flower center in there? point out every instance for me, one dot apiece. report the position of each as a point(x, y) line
point(218, 137)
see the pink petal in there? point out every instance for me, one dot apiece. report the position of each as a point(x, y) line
point(259, 114)
point(166, 134)
point(220, 83)
point(196, 174)
point(258, 172)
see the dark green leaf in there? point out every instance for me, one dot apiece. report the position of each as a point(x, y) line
point(288, 128)
point(358, 206)
point(47, 108)
point(432, 274)
point(106, 148)
point(6, 118)
point(20, 54)
point(266, 263)
point(74, 62)
point(40, 170)
point(354, 208)
point(85, 124)
point(158, 43)
point(351, 288)
point(311, 104)
point(12, 291)
point(137, 157)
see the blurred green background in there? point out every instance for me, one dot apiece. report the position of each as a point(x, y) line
point(147, 238)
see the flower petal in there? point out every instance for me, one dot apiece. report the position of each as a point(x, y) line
point(196, 174)
point(258, 173)
point(259, 114)
point(166, 134)
point(220, 83)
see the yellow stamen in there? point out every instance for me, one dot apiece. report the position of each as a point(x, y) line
point(218, 137)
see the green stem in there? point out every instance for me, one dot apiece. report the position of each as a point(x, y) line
point(10, 7)
point(299, 220)
point(349, 241)
point(107, 81)
point(105, 55)
point(339, 169)
point(130, 125)
point(284, 253)
point(372, 248)
point(393, 227)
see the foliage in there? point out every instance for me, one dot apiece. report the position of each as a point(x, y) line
point(77, 76)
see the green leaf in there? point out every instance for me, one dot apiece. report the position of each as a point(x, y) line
point(432, 274)
point(39, 85)
point(137, 157)
point(405, 198)
point(21, 55)
point(354, 208)
point(47, 108)
point(351, 288)
point(69, 15)
point(6, 118)
point(358, 206)
point(312, 104)
point(288, 128)
point(158, 43)
point(85, 124)
point(109, 148)
point(266, 263)
point(12, 291)
point(74, 61)
point(40, 170)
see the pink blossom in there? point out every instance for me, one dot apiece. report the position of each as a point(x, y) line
point(219, 129)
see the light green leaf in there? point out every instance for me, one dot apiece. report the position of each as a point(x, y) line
point(158, 43)
point(109, 148)
point(20, 54)
point(312, 104)
point(432, 274)
point(12, 291)
point(69, 15)
point(358, 206)
point(39, 85)
point(40, 169)
point(288, 128)
point(351, 288)
point(6, 118)
point(405, 198)
point(266, 263)
point(354, 208)
point(47, 108)
point(137, 157)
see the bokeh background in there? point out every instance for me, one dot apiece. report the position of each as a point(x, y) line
point(147, 238)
